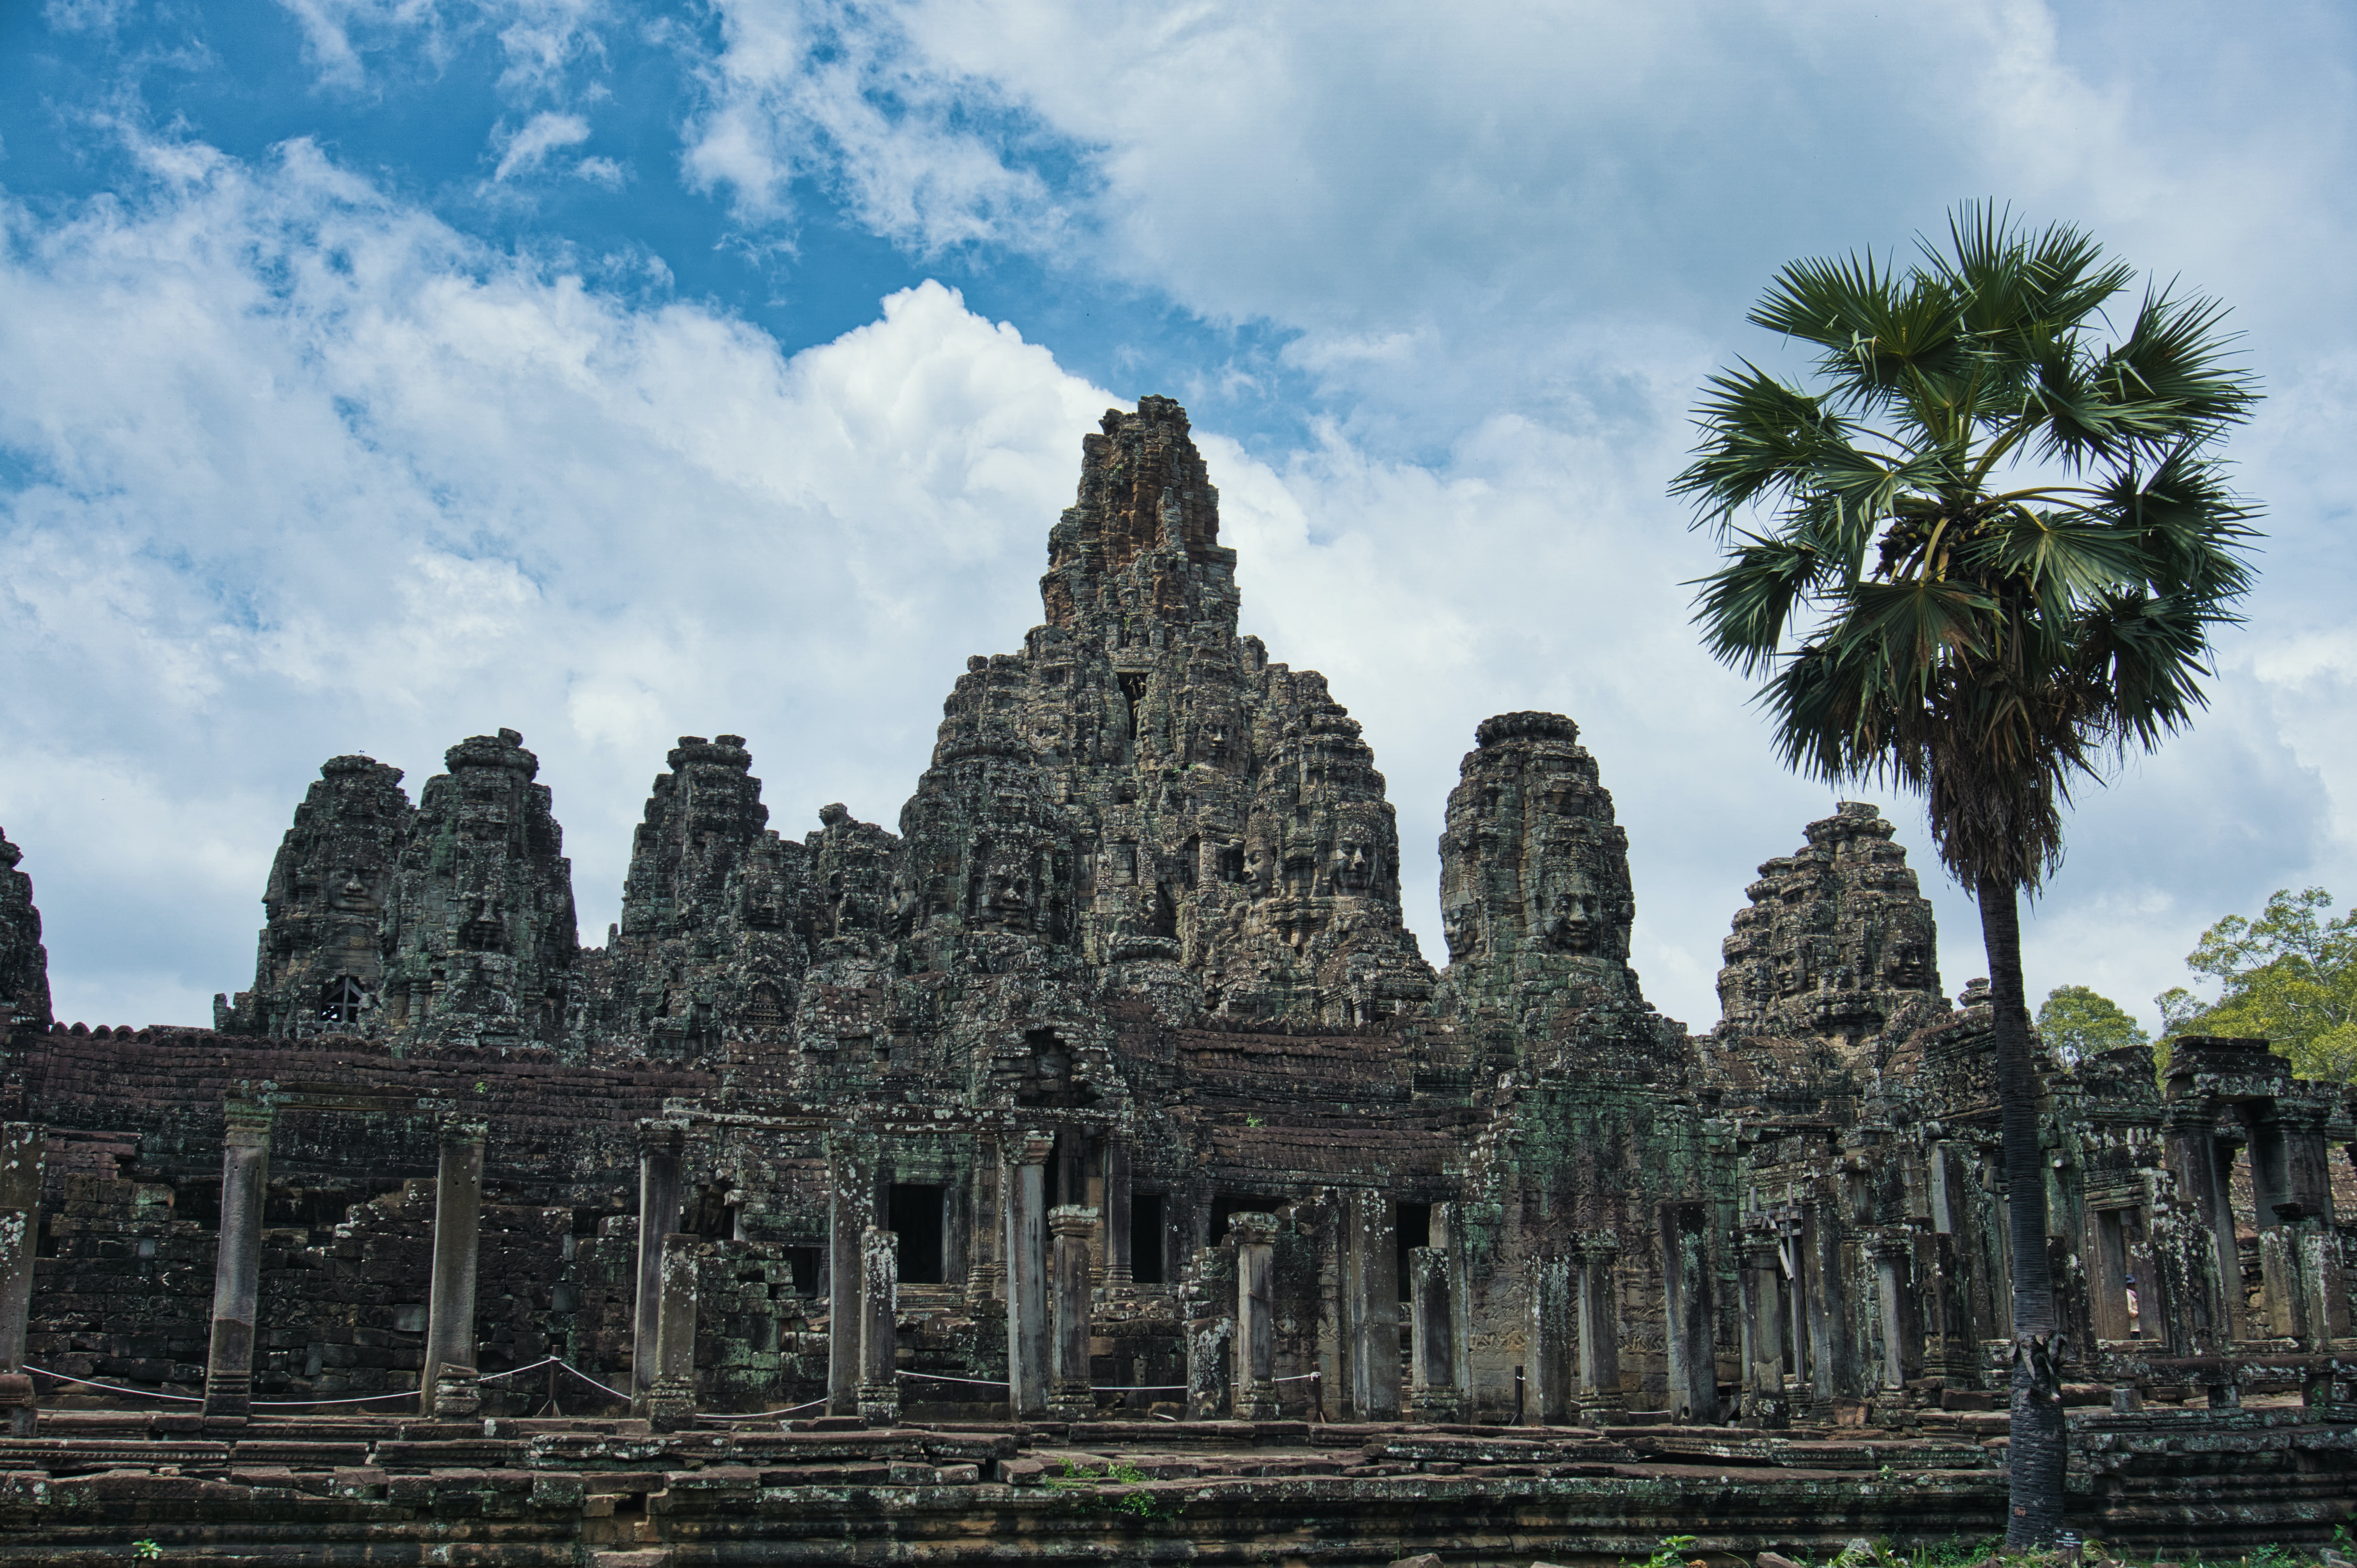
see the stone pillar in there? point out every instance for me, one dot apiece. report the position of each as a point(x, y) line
point(880, 1307)
point(659, 1148)
point(851, 1178)
point(1070, 1397)
point(1255, 1379)
point(1119, 1273)
point(1764, 1337)
point(1372, 1281)
point(237, 1266)
point(1892, 1255)
point(1434, 1395)
point(1599, 1324)
point(671, 1400)
point(450, 1309)
point(2324, 1307)
point(22, 1144)
point(1689, 1335)
point(1023, 1187)
point(2202, 1318)
point(1832, 1348)
point(1203, 1307)
point(983, 1275)
point(1547, 1400)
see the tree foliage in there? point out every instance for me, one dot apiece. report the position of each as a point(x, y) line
point(2076, 1023)
point(2001, 538)
point(2288, 977)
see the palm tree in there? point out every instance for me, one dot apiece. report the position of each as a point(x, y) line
point(2007, 530)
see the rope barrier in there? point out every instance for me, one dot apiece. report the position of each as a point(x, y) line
point(113, 1388)
point(765, 1414)
point(938, 1378)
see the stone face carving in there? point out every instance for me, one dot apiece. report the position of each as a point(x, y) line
point(321, 965)
point(712, 941)
point(24, 962)
point(1838, 945)
point(479, 925)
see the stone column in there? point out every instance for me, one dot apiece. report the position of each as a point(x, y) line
point(1689, 1336)
point(450, 1309)
point(1434, 1396)
point(1203, 1303)
point(983, 1267)
point(1764, 1338)
point(1070, 1397)
point(1548, 1398)
point(1119, 1272)
point(22, 1144)
point(850, 1172)
point(1892, 1254)
point(237, 1266)
point(1599, 1323)
point(1373, 1281)
point(879, 1304)
point(1023, 1189)
point(1832, 1348)
point(1255, 1380)
point(659, 1148)
point(2314, 1241)
point(671, 1400)
point(2207, 1292)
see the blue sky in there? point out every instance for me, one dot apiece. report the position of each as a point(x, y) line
point(376, 372)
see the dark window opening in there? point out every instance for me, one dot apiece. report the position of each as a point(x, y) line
point(1228, 1203)
point(198, 1199)
point(1413, 1227)
point(805, 1262)
point(584, 1220)
point(915, 1213)
point(339, 1003)
point(708, 1215)
point(1145, 1242)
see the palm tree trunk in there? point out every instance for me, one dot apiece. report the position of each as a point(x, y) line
point(2036, 1451)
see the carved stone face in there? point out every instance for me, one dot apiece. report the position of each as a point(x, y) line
point(1457, 928)
point(1354, 867)
point(1572, 917)
point(1006, 899)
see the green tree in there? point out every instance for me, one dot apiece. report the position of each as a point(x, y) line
point(2076, 1023)
point(2010, 540)
point(2288, 977)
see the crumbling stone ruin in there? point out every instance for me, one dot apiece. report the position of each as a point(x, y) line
point(1107, 1113)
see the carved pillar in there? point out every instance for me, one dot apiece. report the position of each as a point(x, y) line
point(1892, 1254)
point(2201, 1317)
point(1832, 1347)
point(237, 1267)
point(1255, 1379)
point(450, 1299)
point(1372, 1281)
point(983, 1266)
point(851, 1179)
point(1023, 1184)
point(1765, 1337)
point(671, 1399)
point(1599, 1323)
point(879, 1304)
point(1070, 1397)
point(1434, 1395)
point(1548, 1399)
point(1119, 1274)
point(2323, 1305)
point(22, 1145)
point(1204, 1305)
point(659, 1149)
point(1689, 1338)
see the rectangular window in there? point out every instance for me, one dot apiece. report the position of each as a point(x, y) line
point(1146, 1239)
point(914, 1211)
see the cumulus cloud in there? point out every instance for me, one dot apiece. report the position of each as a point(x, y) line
point(310, 472)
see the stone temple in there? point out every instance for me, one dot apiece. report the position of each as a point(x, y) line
point(1102, 1123)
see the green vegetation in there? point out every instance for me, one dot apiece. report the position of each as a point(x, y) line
point(1981, 556)
point(2078, 1022)
point(1081, 1478)
point(2288, 977)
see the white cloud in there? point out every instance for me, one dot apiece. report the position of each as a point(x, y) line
point(543, 134)
point(314, 474)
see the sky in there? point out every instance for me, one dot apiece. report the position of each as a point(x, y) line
point(378, 372)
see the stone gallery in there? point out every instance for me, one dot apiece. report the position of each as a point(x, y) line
point(1094, 1169)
